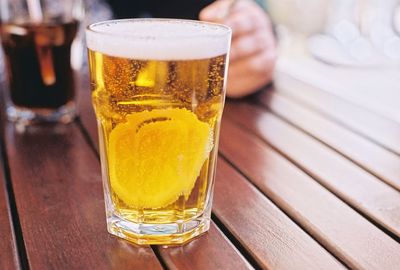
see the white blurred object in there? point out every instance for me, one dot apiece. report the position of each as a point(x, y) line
point(327, 49)
point(374, 88)
point(345, 32)
point(392, 48)
point(363, 33)
point(296, 20)
point(396, 19)
point(300, 16)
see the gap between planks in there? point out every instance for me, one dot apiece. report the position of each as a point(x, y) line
point(362, 121)
point(21, 260)
point(373, 158)
point(158, 249)
point(374, 198)
point(332, 199)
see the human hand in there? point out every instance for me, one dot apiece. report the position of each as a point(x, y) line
point(253, 49)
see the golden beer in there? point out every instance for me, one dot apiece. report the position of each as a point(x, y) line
point(158, 123)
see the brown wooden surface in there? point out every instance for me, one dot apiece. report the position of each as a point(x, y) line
point(382, 130)
point(297, 187)
point(268, 235)
point(373, 158)
point(281, 234)
point(211, 251)
point(58, 190)
point(9, 258)
point(8, 248)
point(355, 186)
point(358, 243)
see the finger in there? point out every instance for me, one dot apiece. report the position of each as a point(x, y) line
point(250, 44)
point(214, 11)
point(240, 6)
point(245, 23)
point(257, 63)
point(219, 10)
point(248, 19)
point(247, 76)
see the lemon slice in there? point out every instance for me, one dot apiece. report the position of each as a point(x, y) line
point(156, 156)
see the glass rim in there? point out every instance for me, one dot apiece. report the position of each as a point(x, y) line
point(209, 34)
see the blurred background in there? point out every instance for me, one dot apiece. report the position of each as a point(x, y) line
point(350, 48)
point(347, 47)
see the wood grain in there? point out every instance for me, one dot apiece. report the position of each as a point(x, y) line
point(376, 89)
point(353, 185)
point(336, 226)
point(377, 128)
point(262, 229)
point(210, 251)
point(266, 233)
point(8, 248)
point(372, 157)
point(58, 191)
point(9, 258)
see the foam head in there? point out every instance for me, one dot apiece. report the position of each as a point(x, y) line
point(158, 39)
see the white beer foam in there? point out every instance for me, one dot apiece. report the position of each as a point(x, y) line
point(158, 39)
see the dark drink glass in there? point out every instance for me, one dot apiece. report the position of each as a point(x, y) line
point(38, 60)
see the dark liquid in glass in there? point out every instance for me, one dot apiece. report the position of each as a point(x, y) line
point(38, 63)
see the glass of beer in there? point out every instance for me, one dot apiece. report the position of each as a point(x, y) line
point(37, 36)
point(158, 89)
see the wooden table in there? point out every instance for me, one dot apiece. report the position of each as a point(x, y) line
point(305, 180)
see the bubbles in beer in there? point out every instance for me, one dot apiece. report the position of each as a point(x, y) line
point(137, 85)
point(159, 101)
point(122, 87)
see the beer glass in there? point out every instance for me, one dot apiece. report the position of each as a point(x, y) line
point(37, 36)
point(158, 89)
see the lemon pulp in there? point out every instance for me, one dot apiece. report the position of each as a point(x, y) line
point(156, 156)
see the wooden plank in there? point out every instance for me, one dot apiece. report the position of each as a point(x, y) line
point(374, 89)
point(202, 252)
point(379, 129)
point(373, 158)
point(58, 191)
point(262, 229)
point(8, 247)
point(340, 229)
point(268, 245)
point(210, 251)
point(353, 185)
point(9, 258)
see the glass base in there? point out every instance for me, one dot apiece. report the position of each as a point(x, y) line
point(28, 116)
point(158, 234)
